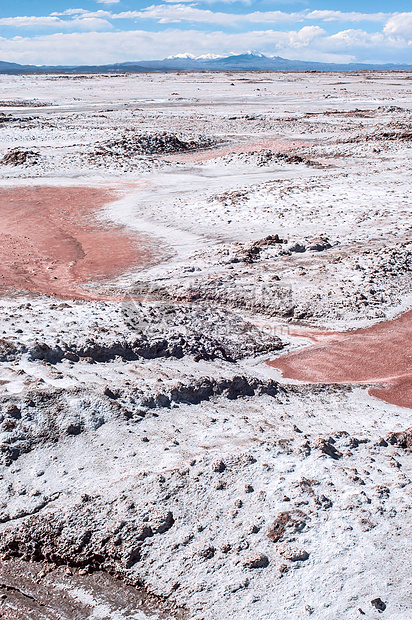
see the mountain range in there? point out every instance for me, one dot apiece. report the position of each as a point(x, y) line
point(250, 61)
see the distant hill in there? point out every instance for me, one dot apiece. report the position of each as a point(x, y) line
point(250, 61)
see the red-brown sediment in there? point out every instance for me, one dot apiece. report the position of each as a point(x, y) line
point(51, 243)
point(379, 354)
point(245, 147)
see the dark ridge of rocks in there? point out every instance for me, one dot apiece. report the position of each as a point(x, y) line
point(390, 108)
point(157, 331)
point(153, 144)
point(264, 158)
point(356, 113)
point(298, 248)
point(20, 157)
point(175, 346)
point(393, 131)
point(5, 119)
point(391, 135)
point(231, 389)
point(25, 103)
point(206, 388)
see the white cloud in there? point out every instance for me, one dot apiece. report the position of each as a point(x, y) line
point(399, 25)
point(29, 22)
point(52, 21)
point(167, 14)
point(84, 13)
point(89, 23)
point(310, 43)
point(353, 16)
point(182, 12)
point(70, 12)
point(174, 13)
point(305, 36)
point(107, 1)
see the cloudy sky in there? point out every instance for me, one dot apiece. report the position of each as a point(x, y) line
point(106, 31)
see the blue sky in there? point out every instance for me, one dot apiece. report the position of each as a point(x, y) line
point(104, 31)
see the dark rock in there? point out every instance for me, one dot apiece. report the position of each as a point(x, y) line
point(72, 357)
point(287, 523)
point(74, 429)
point(19, 157)
point(108, 392)
point(256, 560)
point(403, 439)
point(207, 553)
point(218, 466)
point(327, 447)
point(323, 501)
point(298, 248)
point(378, 604)
point(14, 412)
point(319, 244)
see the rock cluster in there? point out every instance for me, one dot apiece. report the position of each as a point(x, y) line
point(20, 157)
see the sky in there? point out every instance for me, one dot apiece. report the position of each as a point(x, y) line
point(76, 32)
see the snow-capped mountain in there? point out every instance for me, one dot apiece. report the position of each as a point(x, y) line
point(186, 61)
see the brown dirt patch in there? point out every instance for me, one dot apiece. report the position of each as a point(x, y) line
point(378, 354)
point(51, 243)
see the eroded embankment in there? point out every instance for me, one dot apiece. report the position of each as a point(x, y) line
point(51, 243)
point(41, 590)
point(378, 354)
point(244, 147)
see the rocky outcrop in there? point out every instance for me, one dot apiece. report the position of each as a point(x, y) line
point(20, 157)
point(153, 144)
point(403, 439)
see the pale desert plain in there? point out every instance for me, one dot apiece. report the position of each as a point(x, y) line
point(205, 349)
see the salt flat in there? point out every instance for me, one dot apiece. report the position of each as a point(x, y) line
point(163, 237)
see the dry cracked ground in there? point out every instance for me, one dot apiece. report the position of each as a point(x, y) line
point(163, 237)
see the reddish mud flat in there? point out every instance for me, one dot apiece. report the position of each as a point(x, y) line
point(246, 147)
point(50, 242)
point(379, 354)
